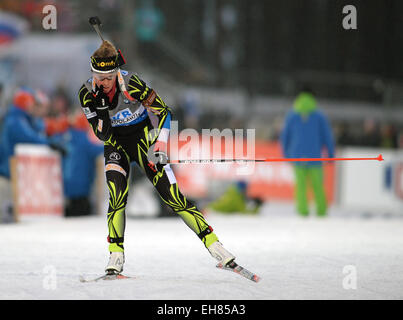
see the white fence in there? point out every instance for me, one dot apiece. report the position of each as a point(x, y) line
point(372, 186)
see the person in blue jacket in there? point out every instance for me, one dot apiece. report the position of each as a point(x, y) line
point(79, 166)
point(21, 125)
point(305, 134)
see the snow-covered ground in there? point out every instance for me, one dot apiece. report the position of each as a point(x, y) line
point(338, 257)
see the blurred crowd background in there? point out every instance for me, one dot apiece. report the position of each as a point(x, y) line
point(221, 63)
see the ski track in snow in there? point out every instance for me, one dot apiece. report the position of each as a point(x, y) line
point(297, 258)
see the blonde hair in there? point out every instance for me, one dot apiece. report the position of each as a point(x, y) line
point(106, 50)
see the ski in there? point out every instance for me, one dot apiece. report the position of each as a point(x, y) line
point(233, 266)
point(105, 277)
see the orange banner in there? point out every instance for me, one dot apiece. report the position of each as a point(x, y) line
point(267, 181)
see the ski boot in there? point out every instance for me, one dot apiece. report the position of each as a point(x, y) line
point(115, 264)
point(220, 253)
point(226, 261)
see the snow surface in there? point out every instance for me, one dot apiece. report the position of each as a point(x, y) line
point(297, 258)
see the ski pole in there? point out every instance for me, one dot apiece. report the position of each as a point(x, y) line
point(96, 23)
point(202, 161)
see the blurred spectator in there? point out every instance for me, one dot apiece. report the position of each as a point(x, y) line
point(20, 125)
point(189, 110)
point(57, 119)
point(2, 106)
point(148, 21)
point(235, 200)
point(277, 127)
point(79, 165)
point(388, 137)
point(370, 136)
point(400, 139)
point(1, 98)
point(42, 106)
point(343, 135)
point(61, 104)
point(306, 132)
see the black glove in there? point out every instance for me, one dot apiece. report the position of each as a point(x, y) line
point(157, 156)
point(101, 99)
point(161, 156)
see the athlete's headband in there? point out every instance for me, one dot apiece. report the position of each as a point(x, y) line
point(108, 64)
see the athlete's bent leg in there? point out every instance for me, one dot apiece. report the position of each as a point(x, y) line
point(163, 179)
point(117, 173)
point(165, 183)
